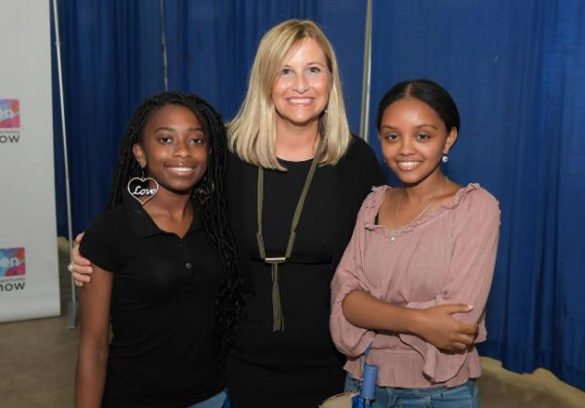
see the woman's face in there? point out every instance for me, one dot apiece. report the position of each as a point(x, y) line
point(173, 148)
point(301, 89)
point(413, 138)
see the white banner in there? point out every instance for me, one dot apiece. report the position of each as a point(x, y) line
point(29, 281)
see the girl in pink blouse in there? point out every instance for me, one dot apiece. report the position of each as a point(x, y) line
point(414, 280)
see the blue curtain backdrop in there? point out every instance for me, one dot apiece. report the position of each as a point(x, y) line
point(515, 68)
point(517, 71)
point(111, 60)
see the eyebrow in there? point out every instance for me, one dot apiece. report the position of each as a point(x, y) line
point(168, 129)
point(417, 127)
point(308, 63)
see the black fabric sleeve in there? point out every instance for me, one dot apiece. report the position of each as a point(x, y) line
point(368, 166)
point(99, 243)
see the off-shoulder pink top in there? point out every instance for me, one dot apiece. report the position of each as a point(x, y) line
point(446, 256)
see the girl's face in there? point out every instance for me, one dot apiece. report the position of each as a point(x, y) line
point(301, 89)
point(413, 138)
point(173, 148)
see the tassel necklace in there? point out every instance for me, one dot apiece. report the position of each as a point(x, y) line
point(277, 316)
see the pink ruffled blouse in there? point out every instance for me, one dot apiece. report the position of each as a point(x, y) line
point(445, 256)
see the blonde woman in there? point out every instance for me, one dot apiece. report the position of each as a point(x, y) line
point(292, 121)
point(291, 229)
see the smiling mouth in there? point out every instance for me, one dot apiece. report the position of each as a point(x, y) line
point(182, 170)
point(407, 165)
point(300, 101)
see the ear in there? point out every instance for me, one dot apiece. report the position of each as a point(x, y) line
point(451, 138)
point(139, 154)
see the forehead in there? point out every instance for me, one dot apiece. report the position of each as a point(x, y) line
point(412, 110)
point(172, 114)
point(305, 51)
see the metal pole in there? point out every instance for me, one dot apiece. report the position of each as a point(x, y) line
point(366, 76)
point(164, 44)
point(72, 305)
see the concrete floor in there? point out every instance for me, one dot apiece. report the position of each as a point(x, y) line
point(37, 365)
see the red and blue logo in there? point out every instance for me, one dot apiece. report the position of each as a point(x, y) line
point(12, 262)
point(9, 114)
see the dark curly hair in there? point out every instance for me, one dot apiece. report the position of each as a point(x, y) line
point(208, 198)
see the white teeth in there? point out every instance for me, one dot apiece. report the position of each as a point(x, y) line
point(407, 165)
point(299, 100)
point(181, 169)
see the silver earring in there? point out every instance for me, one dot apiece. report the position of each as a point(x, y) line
point(143, 189)
point(445, 158)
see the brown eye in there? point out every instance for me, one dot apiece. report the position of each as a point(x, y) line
point(198, 140)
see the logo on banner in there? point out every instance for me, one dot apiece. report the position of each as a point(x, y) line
point(12, 269)
point(9, 121)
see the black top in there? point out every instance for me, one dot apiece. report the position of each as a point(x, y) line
point(162, 309)
point(300, 366)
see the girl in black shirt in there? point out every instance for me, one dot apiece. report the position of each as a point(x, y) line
point(165, 274)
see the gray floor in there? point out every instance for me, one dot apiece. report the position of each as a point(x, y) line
point(37, 365)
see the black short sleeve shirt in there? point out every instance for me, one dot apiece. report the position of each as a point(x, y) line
point(162, 309)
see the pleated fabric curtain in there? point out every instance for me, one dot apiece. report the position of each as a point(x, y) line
point(111, 57)
point(517, 71)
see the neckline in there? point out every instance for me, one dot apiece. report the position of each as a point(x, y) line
point(429, 214)
point(293, 162)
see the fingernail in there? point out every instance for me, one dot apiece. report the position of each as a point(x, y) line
point(470, 307)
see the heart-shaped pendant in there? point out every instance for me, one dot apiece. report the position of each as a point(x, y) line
point(142, 189)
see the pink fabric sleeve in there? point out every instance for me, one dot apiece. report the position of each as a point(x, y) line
point(349, 339)
point(469, 278)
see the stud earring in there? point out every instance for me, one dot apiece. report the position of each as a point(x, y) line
point(444, 157)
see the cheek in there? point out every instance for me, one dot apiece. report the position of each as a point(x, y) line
point(388, 150)
point(278, 87)
point(202, 159)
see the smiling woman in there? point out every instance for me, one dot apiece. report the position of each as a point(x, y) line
point(301, 88)
point(294, 185)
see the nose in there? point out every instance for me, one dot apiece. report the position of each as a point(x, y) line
point(182, 149)
point(300, 85)
point(405, 147)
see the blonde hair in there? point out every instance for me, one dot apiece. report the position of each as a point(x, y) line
point(252, 132)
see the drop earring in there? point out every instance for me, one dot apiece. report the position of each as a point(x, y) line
point(444, 158)
point(143, 189)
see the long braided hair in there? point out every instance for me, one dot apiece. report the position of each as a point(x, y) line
point(208, 198)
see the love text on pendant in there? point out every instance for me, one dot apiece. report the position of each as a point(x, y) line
point(139, 191)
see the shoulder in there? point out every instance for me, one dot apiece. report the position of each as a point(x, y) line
point(359, 149)
point(476, 201)
point(110, 226)
point(372, 203)
point(106, 237)
point(113, 219)
point(363, 165)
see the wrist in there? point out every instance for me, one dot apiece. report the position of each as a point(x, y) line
point(414, 321)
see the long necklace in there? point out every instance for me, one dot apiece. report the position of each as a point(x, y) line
point(277, 315)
